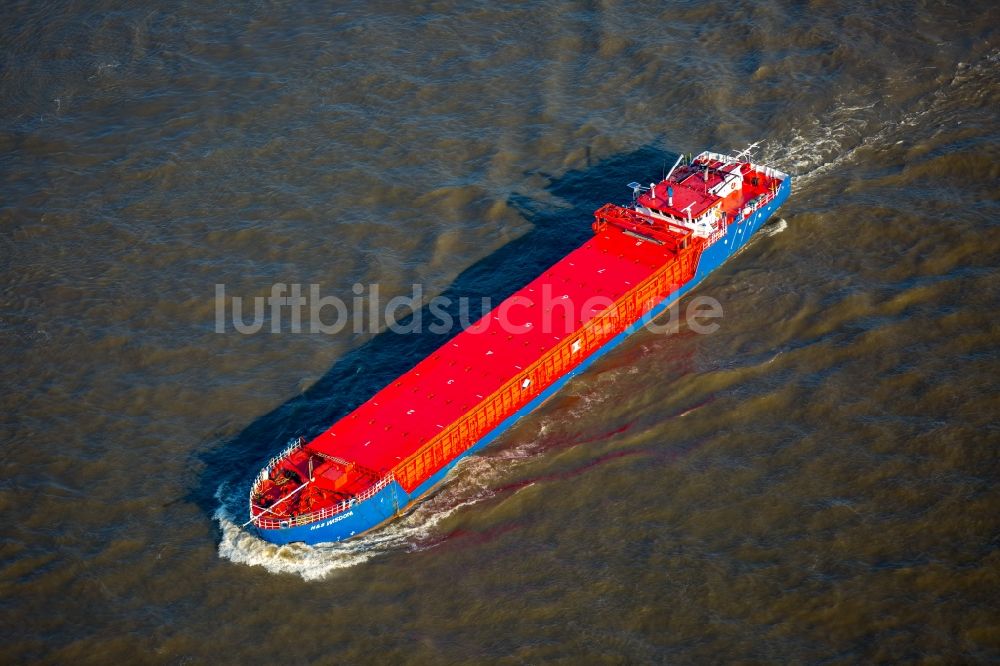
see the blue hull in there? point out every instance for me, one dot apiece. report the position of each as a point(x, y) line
point(393, 500)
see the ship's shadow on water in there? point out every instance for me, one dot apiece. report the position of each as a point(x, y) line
point(231, 462)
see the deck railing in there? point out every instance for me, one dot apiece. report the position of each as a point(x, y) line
point(269, 522)
point(289, 450)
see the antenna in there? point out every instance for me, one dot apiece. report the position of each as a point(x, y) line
point(745, 153)
point(671, 172)
point(636, 188)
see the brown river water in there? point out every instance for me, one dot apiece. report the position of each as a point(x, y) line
point(814, 482)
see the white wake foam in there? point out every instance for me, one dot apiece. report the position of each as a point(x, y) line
point(775, 227)
point(834, 138)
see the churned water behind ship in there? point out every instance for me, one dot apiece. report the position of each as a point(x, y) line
point(815, 481)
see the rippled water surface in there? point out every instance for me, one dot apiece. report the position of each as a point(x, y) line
point(816, 481)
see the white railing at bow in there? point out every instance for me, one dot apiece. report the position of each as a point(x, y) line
point(278, 522)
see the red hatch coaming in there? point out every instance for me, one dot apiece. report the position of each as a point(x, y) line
point(404, 415)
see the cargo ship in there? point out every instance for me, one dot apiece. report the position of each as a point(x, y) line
point(378, 461)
